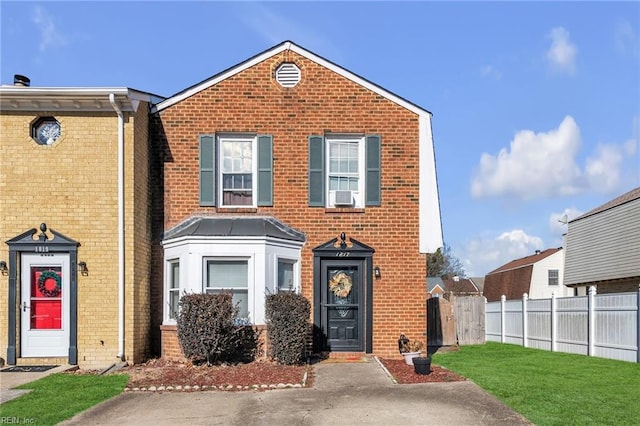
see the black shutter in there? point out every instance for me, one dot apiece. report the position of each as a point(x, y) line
point(207, 170)
point(372, 152)
point(265, 170)
point(316, 171)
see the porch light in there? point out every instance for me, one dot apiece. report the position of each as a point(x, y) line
point(82, 267)
point(376, 272)
point(3, 267)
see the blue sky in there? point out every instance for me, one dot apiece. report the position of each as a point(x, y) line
point(536, 105)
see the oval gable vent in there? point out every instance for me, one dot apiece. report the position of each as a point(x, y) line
point(288, 75)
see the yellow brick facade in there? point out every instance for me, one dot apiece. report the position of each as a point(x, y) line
point(72, 187)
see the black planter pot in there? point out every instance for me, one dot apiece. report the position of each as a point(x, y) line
point(422, 365)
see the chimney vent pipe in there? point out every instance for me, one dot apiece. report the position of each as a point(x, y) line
point(21, 80)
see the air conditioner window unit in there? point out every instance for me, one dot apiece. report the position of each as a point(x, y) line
point(343, 198)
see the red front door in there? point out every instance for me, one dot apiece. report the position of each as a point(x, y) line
point(45, 305)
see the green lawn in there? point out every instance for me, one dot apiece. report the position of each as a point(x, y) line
point(61, 396)
point(552, 388)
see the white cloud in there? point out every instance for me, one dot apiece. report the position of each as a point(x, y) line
point(558, 221)
point(562, 53)
point(482, 255)
point(49, 34)
point(599, 167)
point(491, 72)
point(536, 165)
point(539, 165)
point(626, 39)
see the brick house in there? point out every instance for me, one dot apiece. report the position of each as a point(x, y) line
point(74, 271)
point(285, 172)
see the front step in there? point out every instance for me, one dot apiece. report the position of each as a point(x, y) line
point(346, 356)
point(42, 361)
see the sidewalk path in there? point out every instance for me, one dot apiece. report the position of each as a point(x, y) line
point(343, 394)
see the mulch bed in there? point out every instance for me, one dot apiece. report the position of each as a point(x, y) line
point(254, 375)
point(162, 375)
point(405, 374)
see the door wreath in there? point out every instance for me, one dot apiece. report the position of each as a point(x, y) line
point(55, 291)
point(341, 284)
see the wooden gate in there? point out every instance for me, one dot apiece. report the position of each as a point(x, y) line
point(469, 313)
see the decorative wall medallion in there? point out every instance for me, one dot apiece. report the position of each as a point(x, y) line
point(46, 130)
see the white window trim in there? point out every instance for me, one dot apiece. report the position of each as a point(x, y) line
point(330, 195)
point(254, 167)
point(296, 272)
point(549, 277)
point(168, 289)
point(250, 280)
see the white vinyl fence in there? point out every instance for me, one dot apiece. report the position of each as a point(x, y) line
point(602, 325)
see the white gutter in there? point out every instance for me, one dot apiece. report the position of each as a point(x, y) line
point(112, 99)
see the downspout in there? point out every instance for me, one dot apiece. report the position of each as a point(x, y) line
point(116, 107)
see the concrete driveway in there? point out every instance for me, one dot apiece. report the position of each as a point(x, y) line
point(344, 393)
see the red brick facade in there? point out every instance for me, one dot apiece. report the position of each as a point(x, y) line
point(323, 102)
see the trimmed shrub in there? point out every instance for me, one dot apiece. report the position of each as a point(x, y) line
point(208, 330)
point(287, 327)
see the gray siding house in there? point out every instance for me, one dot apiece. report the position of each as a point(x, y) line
point(603, 247)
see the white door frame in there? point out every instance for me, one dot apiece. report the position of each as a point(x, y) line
point(44, 343)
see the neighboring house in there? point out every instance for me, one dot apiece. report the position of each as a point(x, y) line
point(285, 172)
point(461, 286)
point(603, 247)
point(478, 282)
point(538, 275)
point(437, 287)
point(74, 215)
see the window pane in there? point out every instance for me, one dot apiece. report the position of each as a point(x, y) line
point(334, 149)
point(334, 164)
point(353, 165)
point(333, 183)
point(353, 150)
point(344, 183)
point(353, 184)
point(228, 274)
point(239, 298)
point(344, 165)
point(237, 198)
point(227, 150)
point(175, 275)
point(227, 181)
point(174, 298)
point(226, 164)
point(285, 276)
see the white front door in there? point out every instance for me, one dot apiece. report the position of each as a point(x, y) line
point(44, 306)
